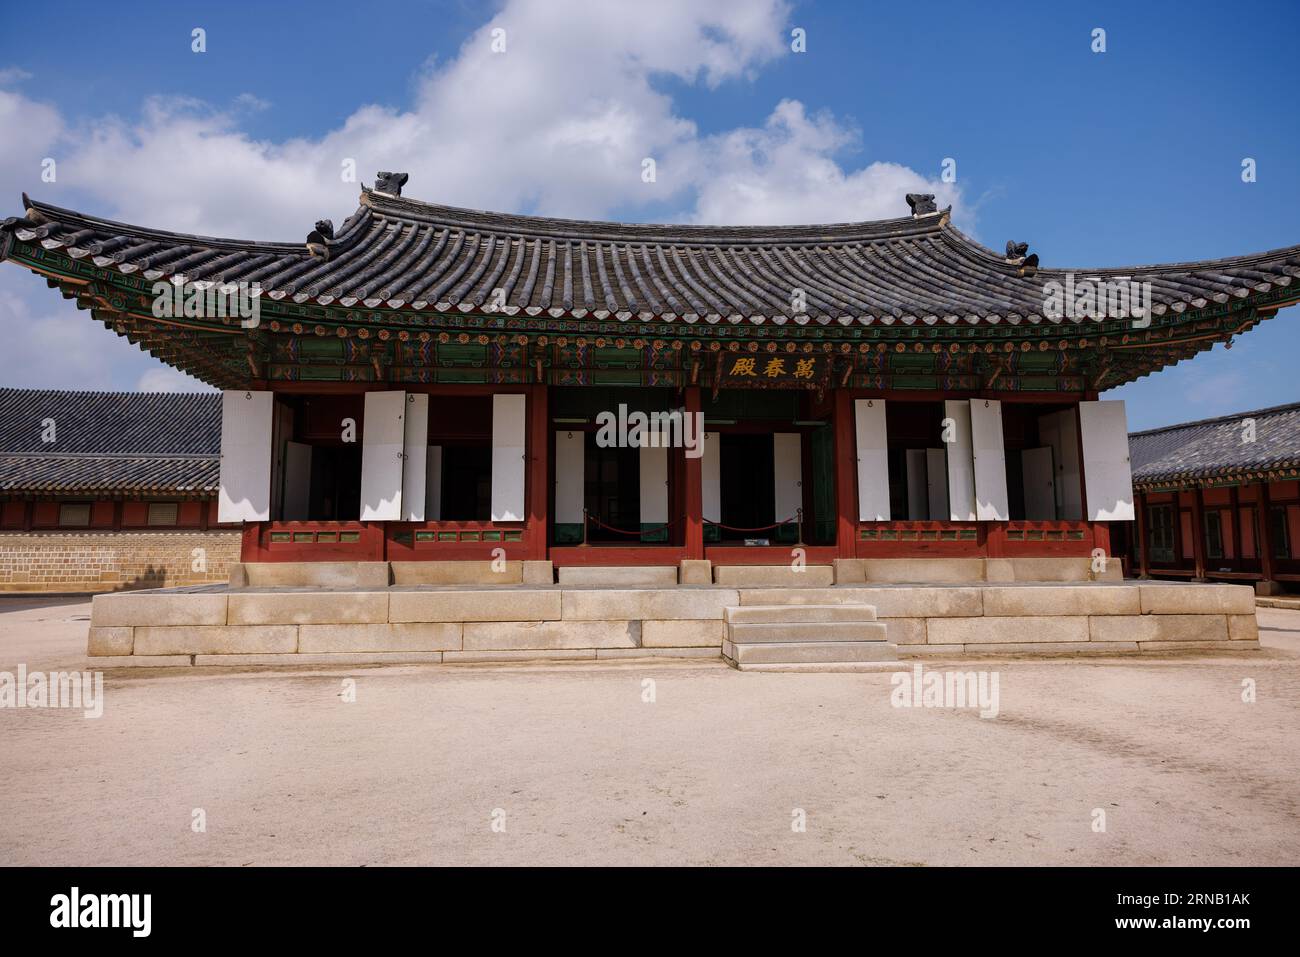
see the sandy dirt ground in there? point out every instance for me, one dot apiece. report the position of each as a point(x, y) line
point(575, 767)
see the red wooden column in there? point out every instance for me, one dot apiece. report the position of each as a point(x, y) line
point(1264, 540)
point(846, 476)
point(1143, 544)
point(694, 491)
point(539, 467)
point(1198, 534)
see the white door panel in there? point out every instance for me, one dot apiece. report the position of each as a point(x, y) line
point(245, 470)
point(415, 465)
point(872, 460)
point(990, 460)
point(961, 462)
point(1107, 473)
point(383, 441)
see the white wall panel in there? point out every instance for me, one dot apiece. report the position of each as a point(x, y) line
point(711, 477)
point(936, 480)
point(787, 470)
point(1107, 474)
point(1060, 430)
point(245, 493)
point(654, 485)
point(872, 460)
point(297, 482)
point(509, 423)
point(570, 476)
point(918, 495)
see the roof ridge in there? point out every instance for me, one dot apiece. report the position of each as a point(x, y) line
point(9, 454)
point(613, 230)
point(1233, 416)
point(205, 393)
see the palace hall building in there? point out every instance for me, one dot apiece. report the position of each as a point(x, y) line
point(1218, 500)
point(427, 383)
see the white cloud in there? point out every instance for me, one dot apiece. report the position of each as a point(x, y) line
point(166, 379)
point(787, 173)
point(558, 124)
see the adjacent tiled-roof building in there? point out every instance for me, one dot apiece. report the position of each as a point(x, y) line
point(101, 491)
point(1218, 499)
point(1264, 444)
point(58, 442)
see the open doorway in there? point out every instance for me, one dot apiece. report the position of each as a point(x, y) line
point(1042, 461)
point(318, 458)
point(458, 480)
point(746, 480)
point(612, 492)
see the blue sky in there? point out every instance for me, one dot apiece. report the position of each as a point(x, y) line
point(1096, 159)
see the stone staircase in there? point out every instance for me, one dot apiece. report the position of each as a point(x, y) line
point(805, 637)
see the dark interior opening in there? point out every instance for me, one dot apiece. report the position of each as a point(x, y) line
point(915, 427)
point(466, 483)
point(1032, 462)
point(747, 484)
point(318, 460)
point(461, 427)
point(612, 491)
point(335, 494)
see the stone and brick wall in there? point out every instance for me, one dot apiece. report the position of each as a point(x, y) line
point(75, 561)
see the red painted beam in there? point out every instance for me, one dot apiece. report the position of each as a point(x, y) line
point(694, 491)
point(539, 485)
point(846, 476)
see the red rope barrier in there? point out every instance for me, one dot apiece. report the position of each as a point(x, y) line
point(623, 531)
point(761, 528)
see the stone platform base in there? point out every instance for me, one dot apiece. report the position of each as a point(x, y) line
point(445, 624)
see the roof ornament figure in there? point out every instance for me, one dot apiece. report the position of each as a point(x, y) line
point(390, 183)
point(922, 204)
point(7, 235)
point(1018, 254)
point(318, 239)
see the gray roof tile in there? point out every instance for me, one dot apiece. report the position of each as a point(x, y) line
point(109, 442)
point(1215, 448)
point(408, 253)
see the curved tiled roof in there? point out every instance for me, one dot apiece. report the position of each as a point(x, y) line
point(1217, 448)
point(109, 442)
point(405, 254)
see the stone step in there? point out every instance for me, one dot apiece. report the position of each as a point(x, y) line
point(769, 576)
point(799, 613)
point(808, 652)
point(619, 576)
point(792, 632)
point(823, 667)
